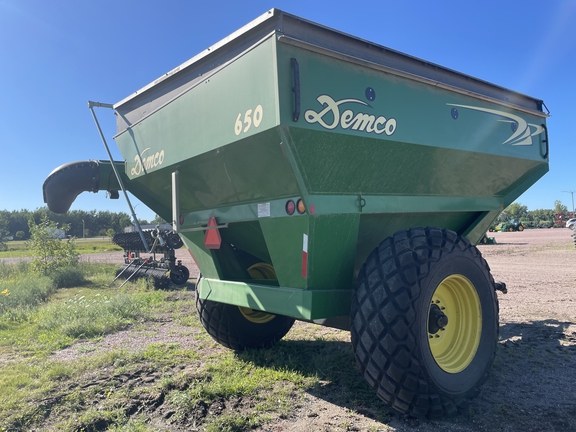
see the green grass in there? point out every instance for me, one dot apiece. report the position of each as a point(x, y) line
point(120, 389)
point(20, 295)
point(36, 320)
point(19, 248)
point(93, 309)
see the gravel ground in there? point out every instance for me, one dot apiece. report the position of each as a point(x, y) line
point(532, 386)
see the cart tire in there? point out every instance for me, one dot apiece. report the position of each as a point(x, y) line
point(179, 275)
point(410, 285)
point(521, 228)
point(241, 328)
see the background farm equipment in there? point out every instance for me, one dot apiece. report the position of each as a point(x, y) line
point(318, 177)
point(509, 226)
point(142, 262)
point(487, 240)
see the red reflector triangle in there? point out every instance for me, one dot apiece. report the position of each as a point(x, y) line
point(212, 239)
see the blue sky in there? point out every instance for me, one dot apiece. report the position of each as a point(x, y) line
point(56, 55)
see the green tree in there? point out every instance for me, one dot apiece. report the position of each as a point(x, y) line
point(560, 208)
point(158, 220)
point(19, 235)
point(516, 211)
point(50, 253)
point(3, 233)
point(110, 232)
point(542, 217)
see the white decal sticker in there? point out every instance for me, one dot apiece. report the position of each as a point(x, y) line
point(264, 210)
point(522, 133)
point(145, 162)
point(330, 117)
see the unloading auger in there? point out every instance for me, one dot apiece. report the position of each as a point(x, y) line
point(66, 182)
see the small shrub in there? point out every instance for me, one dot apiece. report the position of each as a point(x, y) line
point(68, 277)
point(50, 253)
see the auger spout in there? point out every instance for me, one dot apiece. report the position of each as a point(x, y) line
point(68, 181)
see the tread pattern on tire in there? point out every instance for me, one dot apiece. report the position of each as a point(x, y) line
point(384, 323)
point(228, 327)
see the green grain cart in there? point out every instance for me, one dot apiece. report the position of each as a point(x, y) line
point(319, 177)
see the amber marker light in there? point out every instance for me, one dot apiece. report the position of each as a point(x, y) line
point(300, 206)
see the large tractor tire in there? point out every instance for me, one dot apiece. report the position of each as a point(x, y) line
point(424, 321)
point(241, 328)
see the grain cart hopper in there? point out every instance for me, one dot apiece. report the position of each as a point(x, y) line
point(320, 177)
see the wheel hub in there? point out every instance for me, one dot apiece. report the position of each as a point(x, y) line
point(437, 319)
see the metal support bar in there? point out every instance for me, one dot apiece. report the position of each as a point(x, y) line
point(132, 275)
point(176, 209)
point(121, 273)
point(91, 105)
point(175, 202)
point(99, 104)
point(204, 228)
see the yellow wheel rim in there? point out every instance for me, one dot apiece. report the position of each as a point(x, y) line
point(454, 345)
point(259, 271)
point(262, 271)
point(255, 316)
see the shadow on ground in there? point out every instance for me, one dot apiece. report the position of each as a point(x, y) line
point(531, 387)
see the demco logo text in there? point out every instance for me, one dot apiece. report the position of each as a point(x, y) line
point(333, 115)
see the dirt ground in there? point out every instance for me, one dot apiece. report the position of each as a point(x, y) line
point(532, 386)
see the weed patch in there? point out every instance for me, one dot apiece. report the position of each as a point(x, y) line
point(20, 294)
point(68, 277)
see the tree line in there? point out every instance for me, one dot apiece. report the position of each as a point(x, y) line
point(538, 218)
point(14, 224)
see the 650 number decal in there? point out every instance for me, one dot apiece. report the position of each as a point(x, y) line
point(250, 118)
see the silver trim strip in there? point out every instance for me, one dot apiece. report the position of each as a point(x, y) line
point(351, 59)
